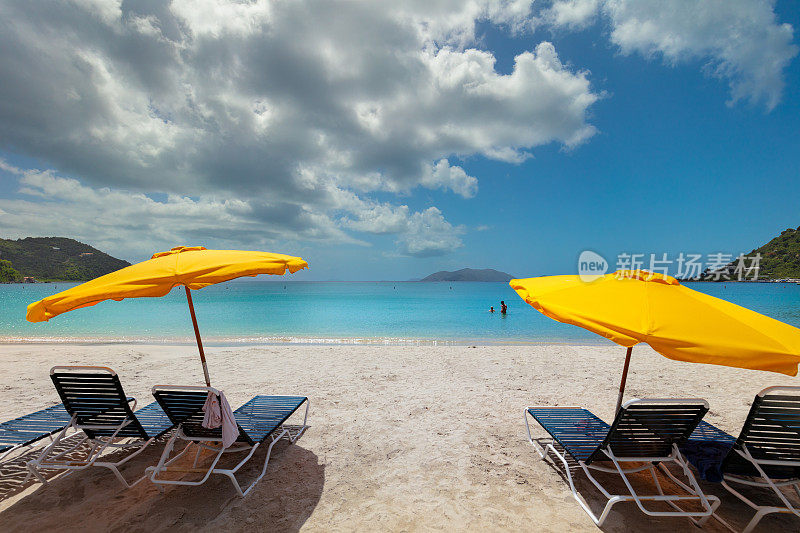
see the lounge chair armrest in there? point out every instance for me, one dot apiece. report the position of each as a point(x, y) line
point(779, 388)
point(554, 407)
point(185, 388)
point(634, 401)
point(104, 368)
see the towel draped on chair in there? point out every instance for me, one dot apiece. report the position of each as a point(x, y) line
point(218, 413)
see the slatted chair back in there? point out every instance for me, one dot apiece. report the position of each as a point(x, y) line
point(772, 428)
point(94, 395)
point(184, 407)
point(649, 428)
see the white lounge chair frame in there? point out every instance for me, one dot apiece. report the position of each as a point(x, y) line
point(695, 494)
point(215, 446)
point(22, 448)
point(11, 453)
point(763, 510)
point(48, 459)
point(765, 481)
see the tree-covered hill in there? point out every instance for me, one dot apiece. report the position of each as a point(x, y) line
point(8, 272)
point(57, 258)
point(780, 257)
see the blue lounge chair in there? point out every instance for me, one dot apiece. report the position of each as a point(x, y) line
point(28, 430)
point(644, 432)
point(99, 408)
point(260, 419)
point(766, 453)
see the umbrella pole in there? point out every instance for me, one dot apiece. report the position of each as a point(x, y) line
point(197, 336)
point(621, 383)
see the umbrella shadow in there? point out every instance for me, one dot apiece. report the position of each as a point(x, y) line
point(93, 499)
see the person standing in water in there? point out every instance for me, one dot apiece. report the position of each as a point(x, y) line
point(503, 307)
point(491, 309)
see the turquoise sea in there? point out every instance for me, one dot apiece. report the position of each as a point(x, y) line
point(256, 311)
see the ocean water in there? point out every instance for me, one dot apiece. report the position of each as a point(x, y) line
point(258, 311)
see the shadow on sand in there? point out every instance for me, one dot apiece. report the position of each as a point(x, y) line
point(627, 516)
point(93, 500)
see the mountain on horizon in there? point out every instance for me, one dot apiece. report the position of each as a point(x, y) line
point(57, 259)
point(469, 274)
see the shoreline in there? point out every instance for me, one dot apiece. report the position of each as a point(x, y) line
point(284, 340)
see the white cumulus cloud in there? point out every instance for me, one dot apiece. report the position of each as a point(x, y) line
point(740, 41)
point(429, 234)
point(573, 14)
point(302, 109)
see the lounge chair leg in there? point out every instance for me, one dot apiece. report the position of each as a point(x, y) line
point(33, 466)
point(33, 470)
point(713, 501)
point(114, 467)
point(264, 468)
point(755, 520)
point(197, 456)
point(761, 511)
point(539, 450)
point(303, 428)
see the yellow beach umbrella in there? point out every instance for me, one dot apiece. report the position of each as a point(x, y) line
point(193, 267)
point(629, 307)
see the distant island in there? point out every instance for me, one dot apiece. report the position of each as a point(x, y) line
point(469, 274)
point(53, 259)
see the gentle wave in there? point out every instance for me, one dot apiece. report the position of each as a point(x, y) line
point(282, 340)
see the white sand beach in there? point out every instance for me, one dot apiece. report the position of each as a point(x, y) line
point(402, 438)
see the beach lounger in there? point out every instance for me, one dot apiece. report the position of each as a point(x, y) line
point(644, 434)
point(260, 419)
point(28, 430)
point(766, 454)
point(99, 408)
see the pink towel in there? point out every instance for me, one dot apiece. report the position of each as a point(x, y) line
point(219, 413)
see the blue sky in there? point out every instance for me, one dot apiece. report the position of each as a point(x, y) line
point(415, 145)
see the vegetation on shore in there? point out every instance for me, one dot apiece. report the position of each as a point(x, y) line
point(8, 273)
point(53, 259)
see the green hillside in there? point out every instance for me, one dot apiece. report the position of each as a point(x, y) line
point(780, 257)
point(57, 258)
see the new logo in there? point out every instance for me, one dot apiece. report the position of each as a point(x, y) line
point(591, 265)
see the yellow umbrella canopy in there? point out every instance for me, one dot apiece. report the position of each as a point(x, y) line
point(629, 307)
point(193, 267)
